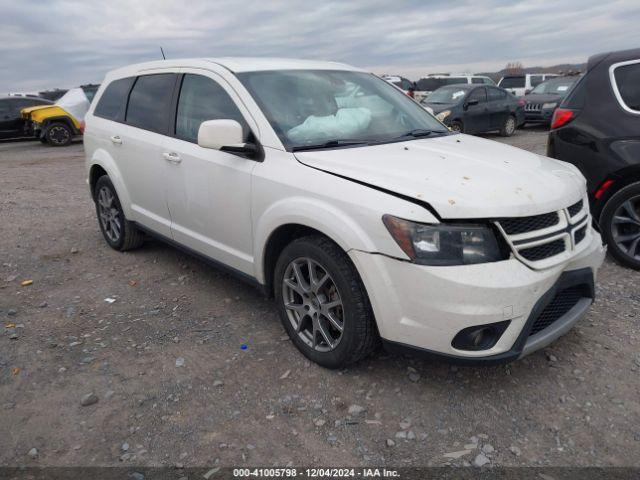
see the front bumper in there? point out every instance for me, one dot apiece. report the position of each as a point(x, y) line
point(538, 116)
point(420, 309)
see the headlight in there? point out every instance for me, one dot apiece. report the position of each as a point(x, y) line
point(444, 244)
point(549, 105)
point(442, 115)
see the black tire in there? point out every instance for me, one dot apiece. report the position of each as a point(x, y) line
point(43, 140)
point(359, 335)
point(58, 134)
point(509, 127)
point(129, 236)
point(628, 193)
point(457, 126)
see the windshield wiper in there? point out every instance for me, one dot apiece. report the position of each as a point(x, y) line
point(419, 132)
point(329, 144)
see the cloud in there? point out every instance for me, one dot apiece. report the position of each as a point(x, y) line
point(62, 43)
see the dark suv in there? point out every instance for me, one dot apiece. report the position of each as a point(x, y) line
point(12, 125)
point(597, 128)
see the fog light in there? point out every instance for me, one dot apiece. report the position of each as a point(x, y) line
point(479, 337)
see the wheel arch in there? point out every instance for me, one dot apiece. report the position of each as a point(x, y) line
point(621, 179)
point(60, 119)
point(292, 218)
point(100, 164)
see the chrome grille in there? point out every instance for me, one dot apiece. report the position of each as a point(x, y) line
point(514, 226)
point(541, 241)
point(543, 251)
point(533, 107)
point(580, 234)
point(576, 208)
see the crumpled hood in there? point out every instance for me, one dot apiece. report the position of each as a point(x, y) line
point(34, 108)
point(460, 176)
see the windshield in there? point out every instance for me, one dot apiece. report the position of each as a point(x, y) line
point(312, 107)
point(559, 86)
point(512, 82)
point(451, 94)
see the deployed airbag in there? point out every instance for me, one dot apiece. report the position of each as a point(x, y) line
point(346, 123)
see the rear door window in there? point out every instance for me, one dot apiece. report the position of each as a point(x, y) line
point(479, 94)
point(201, 99)
point(113, 102)
point(496, 94)
point(150, 102)
point(627, 83)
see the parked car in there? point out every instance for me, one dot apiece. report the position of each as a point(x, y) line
point(429, 84)
point(520, 85)
point(363, 216)
point(543, 100)
point(59, 123)
point(404, 84)
point(476, 109)
point(597, 128)
point(12, 125)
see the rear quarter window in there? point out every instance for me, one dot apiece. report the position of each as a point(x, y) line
point(113, 102)
point(627, 83)
point(577, 94)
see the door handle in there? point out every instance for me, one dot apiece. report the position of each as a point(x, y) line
point(172, 157)
point(116, 140)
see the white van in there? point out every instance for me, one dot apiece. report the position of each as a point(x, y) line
point(363, 216)
point(520, 85)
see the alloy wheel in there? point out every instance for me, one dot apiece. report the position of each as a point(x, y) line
point(625, 227)
point(510, 127)
point(109, 213)
point(313, 304)
point(58, 135)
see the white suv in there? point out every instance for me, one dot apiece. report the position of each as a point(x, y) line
point(365, 217)
point(520, 85)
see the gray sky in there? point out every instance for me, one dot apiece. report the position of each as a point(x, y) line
point(63, 43)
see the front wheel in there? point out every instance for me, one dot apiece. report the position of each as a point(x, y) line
point(457, 126)
point(58, 134)
point(322, 303)
point(509, 127)
point(620, 223)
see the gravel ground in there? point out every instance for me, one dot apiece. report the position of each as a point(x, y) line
point(156, 337)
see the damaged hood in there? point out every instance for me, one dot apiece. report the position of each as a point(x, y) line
point(460, 176)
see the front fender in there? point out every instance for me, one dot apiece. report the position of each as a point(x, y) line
point(102, 158)
point(336, 224)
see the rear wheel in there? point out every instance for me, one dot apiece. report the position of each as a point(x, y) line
point(620, 223)
point(509, 127)
point(58, 134)
point(120, 233)
point(322, 303)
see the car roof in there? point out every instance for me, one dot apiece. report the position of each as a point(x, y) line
point(234, 64)
point(613, 57)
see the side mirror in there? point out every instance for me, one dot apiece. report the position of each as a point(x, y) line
point(217, 134)
point(470, 103)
